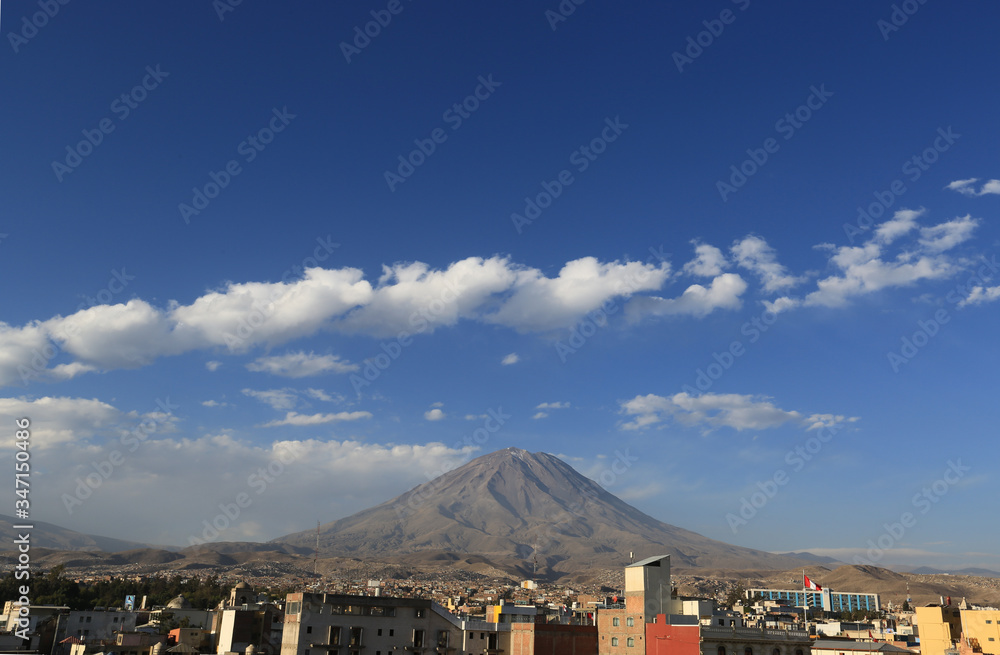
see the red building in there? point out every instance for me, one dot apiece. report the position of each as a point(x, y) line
point(663, 639)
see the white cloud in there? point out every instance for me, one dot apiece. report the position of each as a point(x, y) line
point(556, 405)
point(212, 403)
point(539, 415)
point(279, 399)
point(866, 269)
point(22, 347)
point(539, 303)
point(61, 421)
point(213, 365)
point(243, 315)
point(980, 295)
point(947, 235)
point(711, 410)
point(414, 298)
point(301, 364)
point(708, 261)
point(779, 305)
point(754, 254)
point(296, 419)
point(434, 414)
point(724, 293)
point(320, 394)
point(966, 187)
point(512, 358)
point(901, 223)
point(238, 317)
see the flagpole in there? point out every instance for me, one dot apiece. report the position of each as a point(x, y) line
point(805, 602)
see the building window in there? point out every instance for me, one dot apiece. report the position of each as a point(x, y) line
point(418, 638)
point(334, 638)
point(798, 651)
point(721, 650)
point(630, 642)
point(630, 622)
point(420, 613)
point(776, 651)
point(748, 651)
point(614, 641)
point(309, 629)
point(988, 621)
point(615, 622)
point(391, 631)
point(356, 634)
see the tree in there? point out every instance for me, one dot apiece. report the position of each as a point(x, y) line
point(736, 595)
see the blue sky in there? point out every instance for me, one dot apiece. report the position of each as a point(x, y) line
point(677, 244)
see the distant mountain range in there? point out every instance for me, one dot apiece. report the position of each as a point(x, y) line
point(49, 535)
point(523, 510)
point(511, 510)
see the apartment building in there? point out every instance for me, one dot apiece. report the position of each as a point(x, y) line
point(332, 624)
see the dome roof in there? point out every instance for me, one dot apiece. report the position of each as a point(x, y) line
point(179, 603)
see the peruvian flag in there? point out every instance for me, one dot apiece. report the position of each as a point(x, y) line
point(809, 584)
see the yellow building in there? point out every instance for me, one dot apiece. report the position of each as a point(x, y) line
point(981, 631)
point(939, 629)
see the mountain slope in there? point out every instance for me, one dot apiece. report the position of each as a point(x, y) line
point(513, 507)
point(49, 535)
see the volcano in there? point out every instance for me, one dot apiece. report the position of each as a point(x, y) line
point(521, 511)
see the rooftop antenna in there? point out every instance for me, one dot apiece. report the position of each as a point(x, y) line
point(316, 554)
